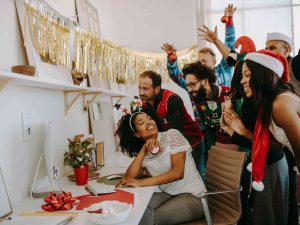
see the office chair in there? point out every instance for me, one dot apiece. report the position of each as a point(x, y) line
point(232, 147)
point(222, 203)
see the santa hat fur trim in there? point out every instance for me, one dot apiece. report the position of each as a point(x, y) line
point(275, 62)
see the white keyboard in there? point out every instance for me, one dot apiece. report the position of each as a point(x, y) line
point(99, 188)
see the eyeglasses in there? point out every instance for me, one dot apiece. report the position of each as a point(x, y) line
point(192, 84)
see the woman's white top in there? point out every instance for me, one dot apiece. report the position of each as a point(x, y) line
point(170, 143)
point(278, 132)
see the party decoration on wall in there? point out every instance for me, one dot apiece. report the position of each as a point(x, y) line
point(97, 56)
point(49, 33)
point(51, 36)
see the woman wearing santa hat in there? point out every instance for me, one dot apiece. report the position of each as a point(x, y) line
point(272, 101)
point(271, 204)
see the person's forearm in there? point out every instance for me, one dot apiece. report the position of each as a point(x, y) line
point(135, 167)
point(164, 178)
point(225, 50)
point(176, 74)
point(230, 33)
point(247, 134)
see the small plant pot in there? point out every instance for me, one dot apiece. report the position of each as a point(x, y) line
point(81, 175)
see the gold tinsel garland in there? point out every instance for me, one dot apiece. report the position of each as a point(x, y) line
point(94, 56)
point(49, 37)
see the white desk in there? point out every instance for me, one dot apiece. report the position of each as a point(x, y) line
point(143, 194)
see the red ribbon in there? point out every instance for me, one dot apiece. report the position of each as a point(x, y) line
point(64, 201)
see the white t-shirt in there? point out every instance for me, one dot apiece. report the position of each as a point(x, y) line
point(172, 142)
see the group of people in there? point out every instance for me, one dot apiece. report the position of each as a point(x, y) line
point(259, 112)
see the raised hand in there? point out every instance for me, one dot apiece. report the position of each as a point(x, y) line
point(229, 10)
point(168, 48)
point(208, 35)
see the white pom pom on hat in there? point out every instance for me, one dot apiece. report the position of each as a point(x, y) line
point(258, 186)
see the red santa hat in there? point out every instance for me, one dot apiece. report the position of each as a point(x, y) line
point(275, 62)
point(279, 65)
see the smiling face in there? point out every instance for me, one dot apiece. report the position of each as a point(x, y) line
point(193, 84)
point(199, 89)
point(279, 47)
point(145, 127)
point(245, 82)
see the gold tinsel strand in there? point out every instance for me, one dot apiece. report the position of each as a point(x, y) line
point(49, 37)
point(93, 56)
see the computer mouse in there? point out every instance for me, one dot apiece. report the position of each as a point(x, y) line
point(114, 176)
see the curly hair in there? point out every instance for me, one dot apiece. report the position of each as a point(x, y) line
point(131, 145)
point(200, 71)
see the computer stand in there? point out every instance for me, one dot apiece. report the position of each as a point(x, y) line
point(55, 179)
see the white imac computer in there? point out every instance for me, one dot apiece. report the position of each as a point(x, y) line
point(46, 173)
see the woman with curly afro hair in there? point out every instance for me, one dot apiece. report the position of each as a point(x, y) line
point(167, 158)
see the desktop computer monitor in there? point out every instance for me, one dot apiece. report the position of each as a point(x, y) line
point(41, 187)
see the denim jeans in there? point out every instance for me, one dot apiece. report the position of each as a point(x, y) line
point(165, 209)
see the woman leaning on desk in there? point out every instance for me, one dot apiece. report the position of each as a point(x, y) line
point(172, 168)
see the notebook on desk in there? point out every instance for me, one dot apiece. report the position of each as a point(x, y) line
point(37, 220)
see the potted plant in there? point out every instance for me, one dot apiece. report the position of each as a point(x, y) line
point(78, 157)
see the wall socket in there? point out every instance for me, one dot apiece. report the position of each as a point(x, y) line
point(27, 127)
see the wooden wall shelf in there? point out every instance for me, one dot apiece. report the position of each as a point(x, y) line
point(7, 77)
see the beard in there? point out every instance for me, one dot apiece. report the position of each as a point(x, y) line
point(200, 95)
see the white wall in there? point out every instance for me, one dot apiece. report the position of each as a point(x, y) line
point(18, 158)
point(143, 25)
point(146, 25)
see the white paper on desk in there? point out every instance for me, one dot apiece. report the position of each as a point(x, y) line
point(37, 220)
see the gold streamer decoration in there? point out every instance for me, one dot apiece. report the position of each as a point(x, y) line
point(50, 35)
point(96, 56)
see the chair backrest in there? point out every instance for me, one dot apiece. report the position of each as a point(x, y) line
point(223, 172)
point(232, 147)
